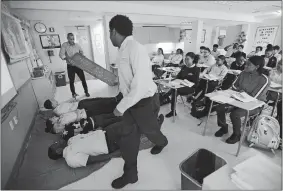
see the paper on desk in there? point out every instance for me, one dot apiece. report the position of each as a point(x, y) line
point(222, 98)
point(259, 173)
point(243, 97)
point(187, 83)
point(237, 72)
point(275, 85)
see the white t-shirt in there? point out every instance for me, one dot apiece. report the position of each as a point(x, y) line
point(66, 107)
point(73, 116)
point(81, 146)
point(158, 59)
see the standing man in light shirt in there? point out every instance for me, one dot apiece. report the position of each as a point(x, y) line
point(67, 50)
point(139, 99)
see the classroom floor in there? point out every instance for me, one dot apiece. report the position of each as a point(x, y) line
point(161, 171)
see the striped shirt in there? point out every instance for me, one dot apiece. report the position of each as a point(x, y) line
point(69, 50)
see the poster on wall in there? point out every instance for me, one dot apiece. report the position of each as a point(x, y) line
point(186, 35)
point(265, 36)
point(203, 36)
point(50, 41)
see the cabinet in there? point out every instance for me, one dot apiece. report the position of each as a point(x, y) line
point(44, 88)
point(153, 35)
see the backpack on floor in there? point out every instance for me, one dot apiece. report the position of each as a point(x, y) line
point(199, 108)
point(265, 133)
point(164, 99)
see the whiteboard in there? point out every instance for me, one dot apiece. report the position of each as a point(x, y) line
point(265, 35)
point(8, 90)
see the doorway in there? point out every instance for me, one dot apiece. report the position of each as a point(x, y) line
point(82, 37)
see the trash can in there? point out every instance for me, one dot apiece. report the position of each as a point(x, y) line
point(197, 166)
point(60, 78)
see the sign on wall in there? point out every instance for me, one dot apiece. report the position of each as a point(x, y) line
point(265, 35)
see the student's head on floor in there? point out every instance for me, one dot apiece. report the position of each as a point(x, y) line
point(48, 104)
point(53, 126)
point(120, 27)
point(55, 151)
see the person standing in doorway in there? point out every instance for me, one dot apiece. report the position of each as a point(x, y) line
point(68, 50)
point(139, 99)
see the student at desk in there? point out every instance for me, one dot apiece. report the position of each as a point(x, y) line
point(207, 58)
point(253, 82)
point(270, 60)
point(275, 76)
point(175, 59)
point(189, 72)
point(239, 64)
point(218, 70)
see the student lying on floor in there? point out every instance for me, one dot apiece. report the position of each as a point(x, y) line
point(239, 65)
point(218, 71)
point(189, 72)
point(275, 76)
point(79, 150)
point(253, 82)
point(91, 105)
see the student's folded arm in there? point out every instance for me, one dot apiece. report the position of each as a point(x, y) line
point(223, 74)
point(235, 85)
point(178, 61)
point(62, 53)
point(138, 59)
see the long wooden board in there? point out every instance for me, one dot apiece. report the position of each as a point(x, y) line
point(94, 69)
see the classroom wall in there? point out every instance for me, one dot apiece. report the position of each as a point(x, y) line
point(232, 33)
point(25, 110)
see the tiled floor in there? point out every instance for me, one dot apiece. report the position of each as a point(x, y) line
point(161, 171)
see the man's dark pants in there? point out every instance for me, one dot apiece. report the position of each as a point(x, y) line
point(139, 119)
point(72, 71)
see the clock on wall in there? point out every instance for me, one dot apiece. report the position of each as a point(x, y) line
point(40, 27)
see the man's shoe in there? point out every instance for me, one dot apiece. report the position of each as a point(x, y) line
point(160, 119)
point(75, 95)
point(222, 131)
point(87, 94)
point(157, 149)
point(170, 114)
point(123, 181)
point(233, 139)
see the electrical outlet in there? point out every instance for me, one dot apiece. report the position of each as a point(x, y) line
point(15, 120)
point(11, 125)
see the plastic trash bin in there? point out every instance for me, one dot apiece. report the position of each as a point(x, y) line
point(60, 78)
point(197, 166)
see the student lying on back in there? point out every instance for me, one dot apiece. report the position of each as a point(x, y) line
point(218, 71)
point(239, 64)
point(253, 82)
point(189, 72)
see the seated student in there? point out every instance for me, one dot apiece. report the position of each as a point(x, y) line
point(253, 82)
point(218, 70)
point(240, 49)
point(275, 76)
point(201, 49)
point(269, 46)
point(276, 54)
point(90, 105)
point(231, 49)
point(215, 51)
point(270, 60)
point(207, 58)
point(257, 52)
point(158, 59)
point(239, 64)
point(176, 59)
point(189, 72)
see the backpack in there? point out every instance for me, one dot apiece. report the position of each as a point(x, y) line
point(265, 133)
point(199, 108)
point(164, 99)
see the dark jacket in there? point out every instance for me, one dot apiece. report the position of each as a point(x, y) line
point(254, 84)
point(271, 62)
point(190, 74)
point(234, 54)
point(235, 66)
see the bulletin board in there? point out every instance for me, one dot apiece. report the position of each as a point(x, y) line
point(265, 35)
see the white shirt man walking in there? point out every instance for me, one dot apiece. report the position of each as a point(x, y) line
point(139, 99)
point(67, 50)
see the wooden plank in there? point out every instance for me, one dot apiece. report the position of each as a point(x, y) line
point(94, 69)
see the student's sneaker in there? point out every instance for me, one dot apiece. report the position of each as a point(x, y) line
point(170, 114)
point(75, 95)
point(222, 131)
point(233, 139)
point(157, 149)
point(123, 181)
point(87, 94)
